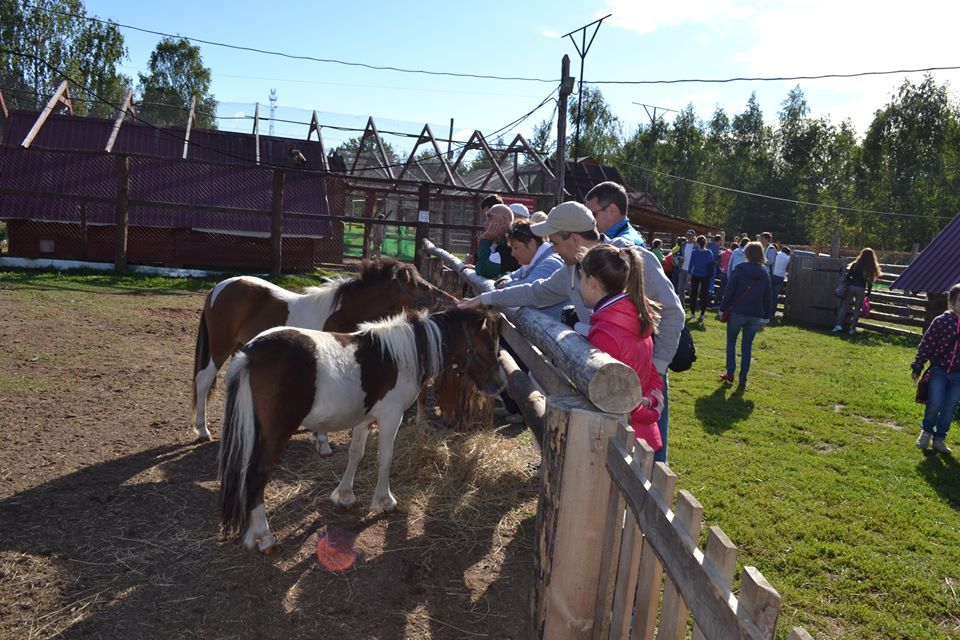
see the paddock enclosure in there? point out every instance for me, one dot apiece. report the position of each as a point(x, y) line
point(108, 518)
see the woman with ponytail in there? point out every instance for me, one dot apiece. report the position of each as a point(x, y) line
point(622, 324)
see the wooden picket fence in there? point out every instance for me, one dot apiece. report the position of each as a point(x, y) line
point(615, 558)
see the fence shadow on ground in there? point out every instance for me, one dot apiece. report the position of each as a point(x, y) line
point(722, 409)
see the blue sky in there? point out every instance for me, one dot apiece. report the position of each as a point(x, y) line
point(641, 41)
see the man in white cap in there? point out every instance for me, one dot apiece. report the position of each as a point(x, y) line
point(572, 229)
point(520, 211)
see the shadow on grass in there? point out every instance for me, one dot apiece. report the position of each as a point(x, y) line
point(718, 412)
point(943, 474)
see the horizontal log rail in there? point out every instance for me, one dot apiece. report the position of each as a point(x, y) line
point(607, 383)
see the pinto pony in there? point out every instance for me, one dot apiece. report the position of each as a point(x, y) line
point(239, 308)
point(286, 377)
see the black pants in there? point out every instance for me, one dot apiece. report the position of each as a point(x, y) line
point(699, 290)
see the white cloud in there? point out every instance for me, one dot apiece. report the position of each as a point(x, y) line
point(549, 33)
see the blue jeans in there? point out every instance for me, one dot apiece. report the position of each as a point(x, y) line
point(941, 402)
point(662, 424)
point(750, 327)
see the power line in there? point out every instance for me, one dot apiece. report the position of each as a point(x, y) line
point(772, 79)
point(786, 200)
point(476, 76)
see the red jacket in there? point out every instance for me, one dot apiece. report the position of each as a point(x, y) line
point(615, 329)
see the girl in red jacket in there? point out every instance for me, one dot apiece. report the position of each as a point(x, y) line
point(622, 324)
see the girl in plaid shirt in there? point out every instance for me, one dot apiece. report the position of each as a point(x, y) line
point(941, 346)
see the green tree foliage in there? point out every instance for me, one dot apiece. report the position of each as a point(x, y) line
point(908, 162)
point(348, 150)
point(600, 130)
point(175, 75)
point(44, 43)
point(542, 140)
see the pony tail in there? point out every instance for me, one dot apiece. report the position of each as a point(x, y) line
point(647, 309)
point(237, 450)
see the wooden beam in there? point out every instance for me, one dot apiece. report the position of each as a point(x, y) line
point(371, 131)
point(122, 214)
point(532, 403)
point(315, 126)
point(3, 107)
point(190, 119)
point(59, 99)
point(522, 143)
point(276, 223)
point(477, 141)
point(426, 135)
point(127, 107)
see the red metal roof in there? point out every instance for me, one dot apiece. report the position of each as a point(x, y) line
point(937, 268)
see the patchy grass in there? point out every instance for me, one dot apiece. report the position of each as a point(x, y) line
point(813, 473)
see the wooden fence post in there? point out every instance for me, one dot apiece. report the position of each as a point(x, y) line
point(759, 602)
point(423, 223)
point(123, 197)
point(83, 230)
point(276, 224)
point(650, 573)
point(571, 516)
point(688, 516)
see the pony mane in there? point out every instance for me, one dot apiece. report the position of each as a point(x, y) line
point(325, 298)
point(398, 339)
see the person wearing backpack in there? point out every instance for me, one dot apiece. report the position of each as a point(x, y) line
point(622, 324)
point(748, 300)
point(941, 346)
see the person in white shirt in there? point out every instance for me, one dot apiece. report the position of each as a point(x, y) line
point(780, 266)
point(683, 280)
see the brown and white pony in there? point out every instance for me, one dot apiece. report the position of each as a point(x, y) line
point(239, 308)
point(286, 377)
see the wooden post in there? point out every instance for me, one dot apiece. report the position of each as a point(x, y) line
point(83, 230)
point(650, 573)
point(532, 403)
point(276, 224)
point(719, 558)
point(571, 519)
point(123, 197)
point(369, 206)
point(835, 244)
point(673, 616)
point(566, 87)
point(190, 119)
point(759, 602)
point(423, 222)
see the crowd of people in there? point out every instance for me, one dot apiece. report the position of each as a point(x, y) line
point(586, 265)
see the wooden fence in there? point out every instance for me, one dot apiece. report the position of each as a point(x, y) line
point(614, 559)
point(810, 298)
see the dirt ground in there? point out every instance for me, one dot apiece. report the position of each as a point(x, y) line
point(108, 510)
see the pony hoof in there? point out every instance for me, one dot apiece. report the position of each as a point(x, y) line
point(325, 453)
point(203, 435)
point(384, 505)
point(271, 550)
point(344, 501)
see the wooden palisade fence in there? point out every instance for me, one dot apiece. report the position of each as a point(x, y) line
point(613, 559)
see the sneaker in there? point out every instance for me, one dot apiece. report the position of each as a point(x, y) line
point(741, 387)
point(701, 318)
point(853, 331)
point(940, 446)
point(923, 442)
point(513, 418)
point(727, 377)
point(836, 328)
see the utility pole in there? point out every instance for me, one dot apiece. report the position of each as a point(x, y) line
point(583, 48)
point(653, 125)
point(566, 88)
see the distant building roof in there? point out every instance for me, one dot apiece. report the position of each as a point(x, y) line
point(937, 268)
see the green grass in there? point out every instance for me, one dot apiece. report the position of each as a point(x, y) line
point(814, 475)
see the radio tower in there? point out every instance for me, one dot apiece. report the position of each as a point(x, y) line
point(273, 107)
